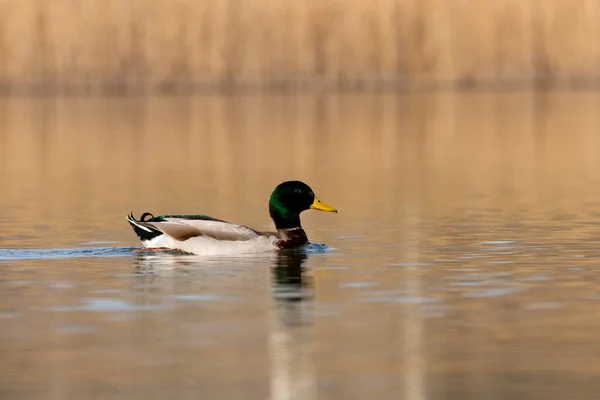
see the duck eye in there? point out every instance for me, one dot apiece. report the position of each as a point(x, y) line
point(298, 191)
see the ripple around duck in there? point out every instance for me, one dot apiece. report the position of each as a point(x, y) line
point(32, 254)
point(316, 248)
point(44, 254)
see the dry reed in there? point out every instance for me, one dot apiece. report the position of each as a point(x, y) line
point(178, 44)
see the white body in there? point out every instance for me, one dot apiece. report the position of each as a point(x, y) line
point(205, 237)
point(207, 246)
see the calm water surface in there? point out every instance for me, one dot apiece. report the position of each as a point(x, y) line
point(463, 264)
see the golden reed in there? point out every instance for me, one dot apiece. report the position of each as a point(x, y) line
point(169, 45)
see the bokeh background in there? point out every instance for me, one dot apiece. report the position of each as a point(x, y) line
point(160, 45)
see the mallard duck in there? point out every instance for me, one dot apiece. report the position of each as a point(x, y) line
point(204, 235)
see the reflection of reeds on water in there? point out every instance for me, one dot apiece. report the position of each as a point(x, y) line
point(164, 45)
point(223, 155)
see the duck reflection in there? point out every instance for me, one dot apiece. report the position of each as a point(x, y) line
point(291, 283)
point(290, 327)
point(291, 339)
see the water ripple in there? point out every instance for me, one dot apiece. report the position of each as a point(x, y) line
point(30, 254)
point(107, 305)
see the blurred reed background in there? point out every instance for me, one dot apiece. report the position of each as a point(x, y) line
point(170, 45)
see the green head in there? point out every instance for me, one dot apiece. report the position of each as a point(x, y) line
point(289, 199)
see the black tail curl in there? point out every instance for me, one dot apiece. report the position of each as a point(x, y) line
point(144, 215)
point(143, 231)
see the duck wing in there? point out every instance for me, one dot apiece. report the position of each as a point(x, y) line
point(216, 229)
point(184, 227)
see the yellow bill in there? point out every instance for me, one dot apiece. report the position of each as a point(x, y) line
point(318, 205)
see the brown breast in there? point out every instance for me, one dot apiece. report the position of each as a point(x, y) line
point(289, 238)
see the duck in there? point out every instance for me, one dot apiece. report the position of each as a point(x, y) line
point(205, 235)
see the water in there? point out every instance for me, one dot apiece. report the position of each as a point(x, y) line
point(463, 263)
